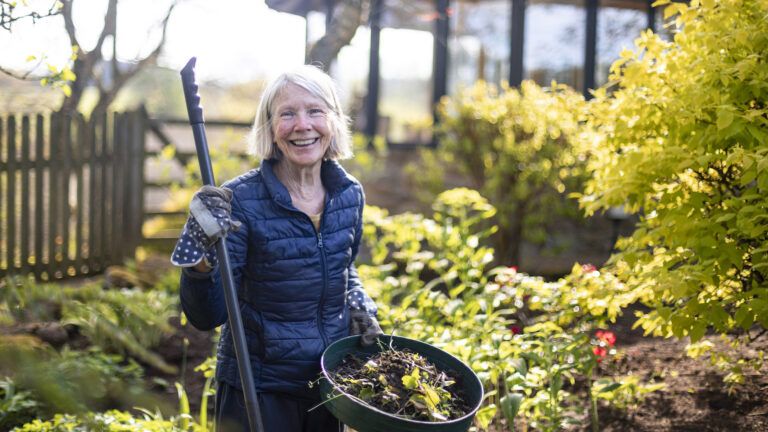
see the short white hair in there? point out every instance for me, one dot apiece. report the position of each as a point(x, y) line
point(261, 140)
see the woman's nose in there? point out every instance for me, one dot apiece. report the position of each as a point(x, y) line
point(302, 121)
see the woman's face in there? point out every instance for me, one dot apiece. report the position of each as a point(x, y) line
point(301, 126)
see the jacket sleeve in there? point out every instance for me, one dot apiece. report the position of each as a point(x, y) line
point(202, 294)
point(357, 298)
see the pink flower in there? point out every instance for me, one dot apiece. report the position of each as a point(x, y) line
point(599, 352)
point(606, 336)
point(588, 268)
point(513, 268)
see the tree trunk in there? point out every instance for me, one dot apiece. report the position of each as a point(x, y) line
point(347, 17)
point(510, 239)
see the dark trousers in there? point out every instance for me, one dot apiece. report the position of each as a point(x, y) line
point(279, 413)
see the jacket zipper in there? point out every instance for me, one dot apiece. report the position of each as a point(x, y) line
point(323, 263)
point(320, 325)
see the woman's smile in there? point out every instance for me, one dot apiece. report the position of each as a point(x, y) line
point(304, 142)
point(301, 126)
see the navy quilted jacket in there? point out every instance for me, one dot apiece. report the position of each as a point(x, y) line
point(291, 279)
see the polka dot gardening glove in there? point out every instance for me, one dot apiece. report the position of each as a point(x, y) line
point(362, 312)
point(365, 325)
point(209, 220)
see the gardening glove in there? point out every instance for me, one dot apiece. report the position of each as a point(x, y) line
point(210, 219)
point(365, 325)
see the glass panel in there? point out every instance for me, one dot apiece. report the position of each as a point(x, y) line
point(315, 26)
point(350, 70)
point(479, 44)
point(406, 56)
point(554, 43)
point(617, 29)
point(409, 14)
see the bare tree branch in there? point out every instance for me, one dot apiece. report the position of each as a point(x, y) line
point(89, 67)
point(69, 24)
point(120, 78)
point(7, 17)
point(27, 76)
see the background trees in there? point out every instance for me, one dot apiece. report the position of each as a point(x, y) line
point(98, 66)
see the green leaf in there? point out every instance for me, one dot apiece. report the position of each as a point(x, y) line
point(411, 381)
point(697, 331)
point(519, 365)
point(724, 119)
point(510, 405)
point(485, 415)
point(609, 388)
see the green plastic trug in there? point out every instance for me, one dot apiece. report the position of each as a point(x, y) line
point(364, 418)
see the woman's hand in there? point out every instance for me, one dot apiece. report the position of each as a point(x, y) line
point(365, 325)
point(210, 219)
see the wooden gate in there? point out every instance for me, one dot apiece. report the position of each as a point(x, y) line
point(70, 192)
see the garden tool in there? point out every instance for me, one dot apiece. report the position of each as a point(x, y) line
point(197, 122)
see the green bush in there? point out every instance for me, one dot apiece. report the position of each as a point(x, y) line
point(16, 406)
point(528, 340)
point(110, 421)
point(125, 321)
point(681, 140)
point(45, 382)
point(517, 147)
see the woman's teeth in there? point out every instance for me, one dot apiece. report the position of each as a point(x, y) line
point(304, 142)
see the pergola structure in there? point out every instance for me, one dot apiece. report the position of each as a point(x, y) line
point(443, 18)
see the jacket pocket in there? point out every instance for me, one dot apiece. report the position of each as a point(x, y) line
point(291, 341)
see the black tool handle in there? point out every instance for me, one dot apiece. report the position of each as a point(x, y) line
point(197, 122)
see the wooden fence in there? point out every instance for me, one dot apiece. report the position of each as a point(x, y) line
point(71, 192)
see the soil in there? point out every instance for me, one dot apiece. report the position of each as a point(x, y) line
point(199, 346)
point(694, 398)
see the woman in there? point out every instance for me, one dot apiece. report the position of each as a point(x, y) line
point(293, 229)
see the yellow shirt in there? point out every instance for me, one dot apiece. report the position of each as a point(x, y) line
point(316, 220)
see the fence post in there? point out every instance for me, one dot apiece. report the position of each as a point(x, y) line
point(10, 184)
point(78, 163)
point(39, 228)
point(103, 197)
point(140, 126)
point(53, 191)
point(93, 185)
point(117, 243)
point(24, 172)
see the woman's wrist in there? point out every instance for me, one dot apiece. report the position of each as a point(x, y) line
point(203, 267)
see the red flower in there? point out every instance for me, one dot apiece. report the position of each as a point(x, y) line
point(515, 329)
point(599, 352)
point(588, 268)
point(513, 268)
point(606, 336)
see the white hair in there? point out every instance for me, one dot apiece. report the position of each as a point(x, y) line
point(261, 140)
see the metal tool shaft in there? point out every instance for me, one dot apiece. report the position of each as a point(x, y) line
point(197, 122)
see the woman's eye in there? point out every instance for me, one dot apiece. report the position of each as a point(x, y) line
point(316, 111)
point(286, 114)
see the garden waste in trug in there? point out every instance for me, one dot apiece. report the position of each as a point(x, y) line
point(402, 383)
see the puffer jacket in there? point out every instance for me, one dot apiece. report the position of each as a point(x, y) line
point(291, 279)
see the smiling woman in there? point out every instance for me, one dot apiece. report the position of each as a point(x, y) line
point(293, 230)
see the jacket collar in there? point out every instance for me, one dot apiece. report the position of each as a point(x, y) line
point(334, 178)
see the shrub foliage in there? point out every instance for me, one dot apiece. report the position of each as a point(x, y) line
point(517, 146)
point(681, 140)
